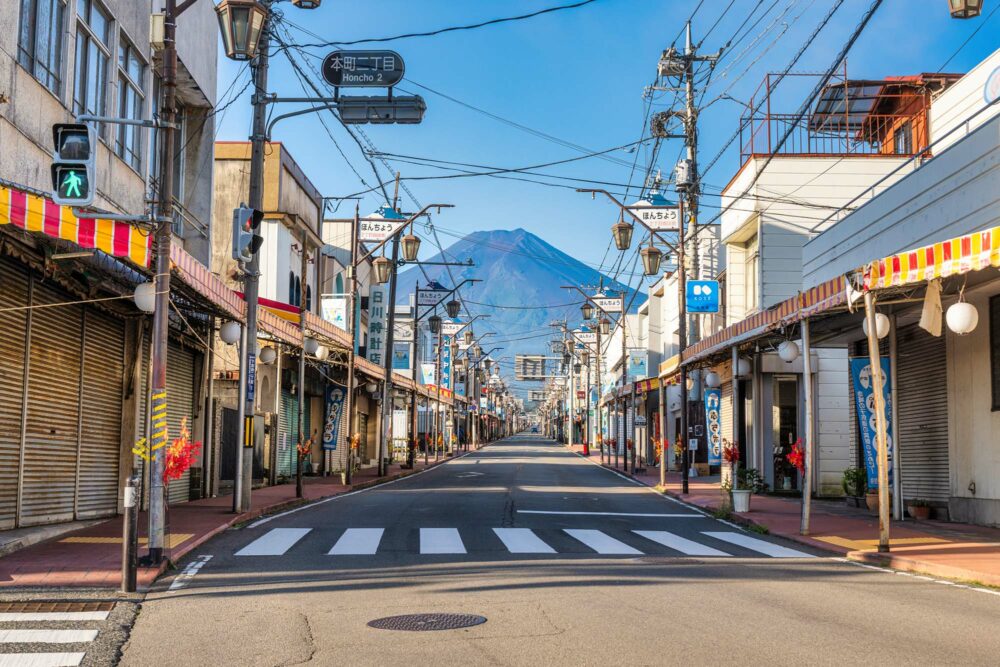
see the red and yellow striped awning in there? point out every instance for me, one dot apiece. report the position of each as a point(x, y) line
point(35, 213)
point(971, 252)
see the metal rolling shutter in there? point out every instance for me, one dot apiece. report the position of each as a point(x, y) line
point(922, 398)
point(52, 433)
point(14, 325)
point(726, 411)
point(287, 430)
point(180, 406)
point(103, 372)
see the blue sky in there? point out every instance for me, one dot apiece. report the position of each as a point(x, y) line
point(577, 75)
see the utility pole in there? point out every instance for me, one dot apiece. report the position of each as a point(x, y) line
point(352, 326)
point(161, 314)
point(624, 408)
point(387, 390)
point(251, 274)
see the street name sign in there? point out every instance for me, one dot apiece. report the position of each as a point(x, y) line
point(363, 69)
point(585, 337)
point(658, 218)
point(609, 304)
point(430, 297)
point(451, 328)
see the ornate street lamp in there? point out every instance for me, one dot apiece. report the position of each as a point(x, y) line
point(965, 9)
point(576, 368)
point(605, 326)
point(585, 358)
point(306, 4)
point(453, 307)
point(435, 323)
point(622, 231)
point(587, 310)
point(468, 337)
point(383, 269)
point(241, 22)
point(410, 245)
point(651, 257)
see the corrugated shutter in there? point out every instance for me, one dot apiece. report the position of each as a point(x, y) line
point(180, 405)
point(287, 430)
point(52, 432)
point(100, 451)
point(922, 398)
point(726, 413)
point(13, 324)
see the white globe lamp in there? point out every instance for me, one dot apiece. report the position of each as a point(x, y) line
point(962, 318)
point(229, 332)
point(881, 325)
point(788, 351)
point(145, 297)
point(322, 352)
point(743, 367)
point(310, 345)
point(267, 355)
point(712, 380)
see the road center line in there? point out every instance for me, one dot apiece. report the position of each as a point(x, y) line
point(649, 514)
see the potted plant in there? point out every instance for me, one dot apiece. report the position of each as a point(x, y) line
point(797, 458)
point(747, 481)
point(853, 483)
point(871, 500)
point(920, 509)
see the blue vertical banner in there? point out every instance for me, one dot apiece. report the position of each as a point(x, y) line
point(334, 410)
point(713, 425)
point(864, 406)
point(446, 362)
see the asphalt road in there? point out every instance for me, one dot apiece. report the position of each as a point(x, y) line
point(569, 563)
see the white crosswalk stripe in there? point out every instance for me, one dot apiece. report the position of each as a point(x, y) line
point(46, 636)
point(441, 541)
point(358, 542)
point(368, 541)
point(41, 659)
point(602, 543)
point(760, 546)
point(44, 640)
point(522, 541)
point(678, 543)
point(274, 542)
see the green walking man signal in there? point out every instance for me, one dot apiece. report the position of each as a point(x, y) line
point(73, 164)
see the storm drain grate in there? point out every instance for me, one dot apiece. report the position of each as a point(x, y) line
point(424, 622)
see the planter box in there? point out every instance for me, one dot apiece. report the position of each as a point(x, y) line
point(741, 500)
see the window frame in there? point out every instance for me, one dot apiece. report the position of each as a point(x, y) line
point(28, 27)
point(130, 155)
point(751, 269)
point(84, 31)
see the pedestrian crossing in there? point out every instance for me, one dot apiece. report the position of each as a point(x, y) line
point(60, 646)
point(449, 541)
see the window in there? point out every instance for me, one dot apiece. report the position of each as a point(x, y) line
point(995, 350)
point(93, 28)
point(131, 98)
point(40, 39)
point(902, 140)
point(750, 264)
point(309, 298)
point(291, 288)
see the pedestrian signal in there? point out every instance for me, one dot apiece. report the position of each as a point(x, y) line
point(73, 164)
point(246, 240)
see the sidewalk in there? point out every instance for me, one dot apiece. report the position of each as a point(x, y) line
point(91, 557)
point(951, 550)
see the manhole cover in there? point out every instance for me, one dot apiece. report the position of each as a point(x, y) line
point(422, 622)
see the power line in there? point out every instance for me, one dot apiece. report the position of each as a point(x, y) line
point(441, 31)
point(969, 38)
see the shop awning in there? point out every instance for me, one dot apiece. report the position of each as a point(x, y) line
point(36, 213)
point(956, 256)
point(646, 386)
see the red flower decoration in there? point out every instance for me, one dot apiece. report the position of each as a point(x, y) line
point(180, 455)
point(797, 457)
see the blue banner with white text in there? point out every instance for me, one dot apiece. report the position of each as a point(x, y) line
point(863, 396)
point(713, 425)
point(335, 395)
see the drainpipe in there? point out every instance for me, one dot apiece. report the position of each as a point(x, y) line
point(807, 385)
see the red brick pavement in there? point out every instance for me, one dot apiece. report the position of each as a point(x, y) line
point(91, 557)
point(950, 550)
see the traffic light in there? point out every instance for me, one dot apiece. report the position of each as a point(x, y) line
point(73, 164)
point(246, 240)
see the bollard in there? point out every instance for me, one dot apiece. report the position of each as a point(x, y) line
point(130, 538)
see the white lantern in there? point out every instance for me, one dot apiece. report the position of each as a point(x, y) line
point(310, 345)
point(712, 380)
point(229, 332)
point(674, 397)
point(788, 351)
point(881, 325)
point(145, 297)
point(962, 317)
point(371, 387)
point(267, 355)
point(322, 352)
point(743, 367)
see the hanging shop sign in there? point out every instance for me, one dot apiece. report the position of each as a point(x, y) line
point(713, 421)
point(864, 406)
point(334, 309)
point(702, 296)
point(446, 362)
point(375, 350)
point(334, 410)
point(638, 361)
point(400, 356)
point(402, 330)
